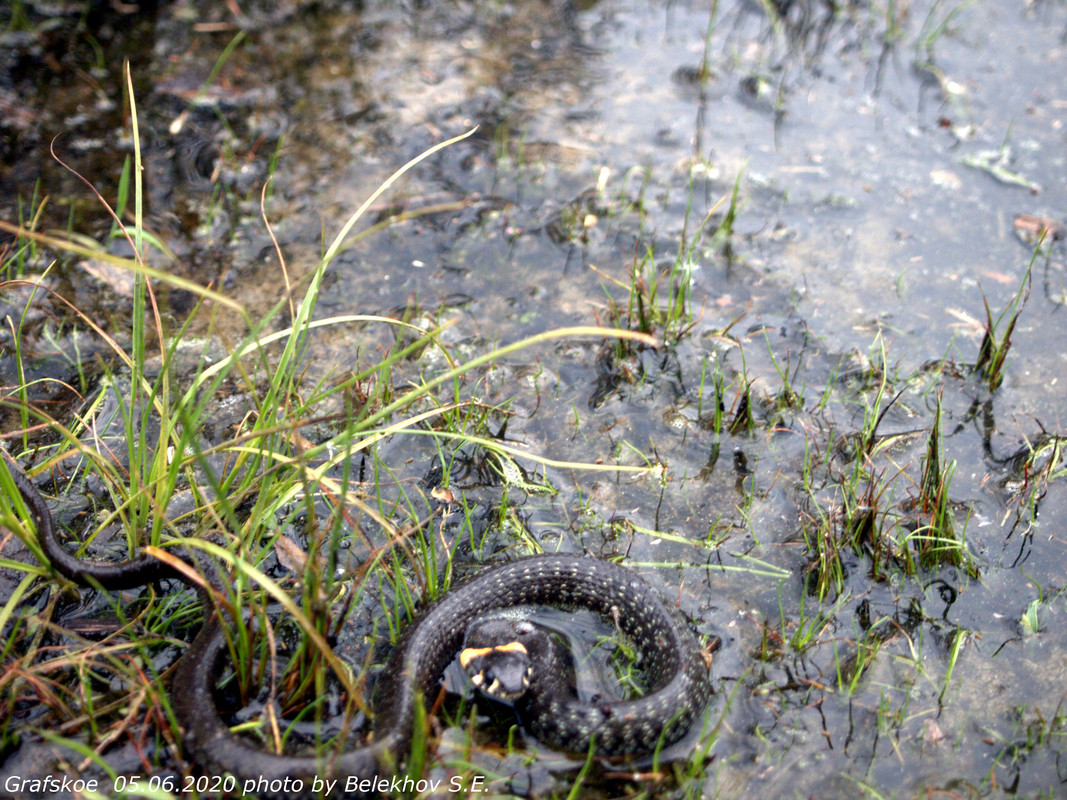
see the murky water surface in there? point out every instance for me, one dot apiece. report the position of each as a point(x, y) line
point(893, 161)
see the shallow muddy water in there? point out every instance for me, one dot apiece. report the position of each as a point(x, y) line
point(895, 164)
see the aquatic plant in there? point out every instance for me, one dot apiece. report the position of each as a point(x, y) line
point(996, 342)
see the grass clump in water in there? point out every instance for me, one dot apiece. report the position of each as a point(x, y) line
point(292, 494)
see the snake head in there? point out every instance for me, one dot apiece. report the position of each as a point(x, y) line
point(496, 659)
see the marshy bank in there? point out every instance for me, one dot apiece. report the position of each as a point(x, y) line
point(841, 224)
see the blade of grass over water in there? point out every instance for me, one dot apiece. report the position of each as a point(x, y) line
point(133, 265)
point(495, 355)
point(761, 568)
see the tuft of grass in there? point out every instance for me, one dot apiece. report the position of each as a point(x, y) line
point(253, 498)
point(993, 351)
point(854, 499)
point(658, 293)
point(789, 397)
point(1037, 464)
point(939, 541)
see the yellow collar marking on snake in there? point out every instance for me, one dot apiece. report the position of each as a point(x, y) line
point(468, 654)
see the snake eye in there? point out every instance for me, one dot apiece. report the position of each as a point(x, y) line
point(524, 628)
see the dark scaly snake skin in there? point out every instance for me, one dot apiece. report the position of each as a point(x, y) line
point(519, 662)
point(668, 651)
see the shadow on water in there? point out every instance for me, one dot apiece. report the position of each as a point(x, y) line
point(844, 223)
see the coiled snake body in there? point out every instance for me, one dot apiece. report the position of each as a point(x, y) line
point(673, 661)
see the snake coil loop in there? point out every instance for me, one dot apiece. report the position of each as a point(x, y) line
point(673, 660)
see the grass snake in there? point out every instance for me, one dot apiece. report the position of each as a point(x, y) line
point(674, 664)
